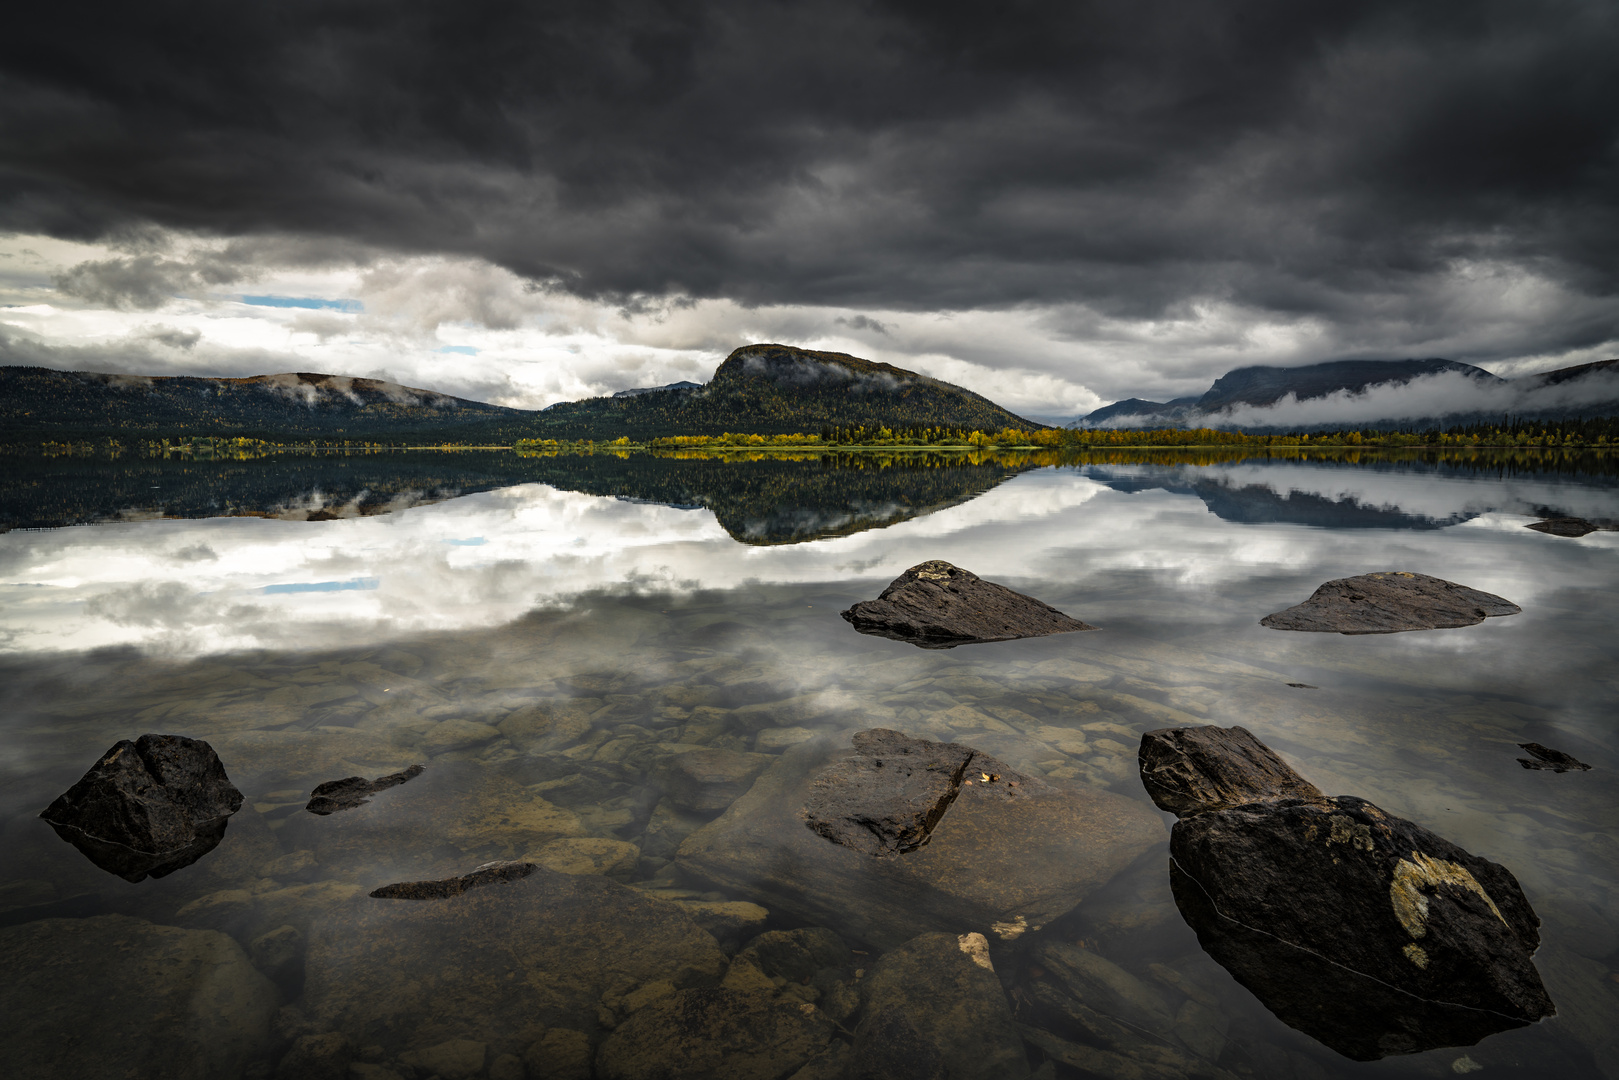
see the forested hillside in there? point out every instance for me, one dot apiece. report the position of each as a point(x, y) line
point(763, 389)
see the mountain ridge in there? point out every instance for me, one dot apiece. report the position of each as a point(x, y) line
point(1262, 386)
point(758, 389)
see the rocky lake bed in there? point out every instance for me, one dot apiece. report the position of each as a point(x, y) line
point(641, 843)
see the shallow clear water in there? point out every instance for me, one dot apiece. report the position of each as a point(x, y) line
point(547, 652)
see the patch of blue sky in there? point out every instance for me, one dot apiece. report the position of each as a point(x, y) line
point(310, 302)
point(353, 584)
point(471, 541)
point(464, 350)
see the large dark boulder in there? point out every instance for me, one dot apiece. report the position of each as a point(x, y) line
point(148, 807)
point(1389, 603)
point(1364, 930)
point(938, 606)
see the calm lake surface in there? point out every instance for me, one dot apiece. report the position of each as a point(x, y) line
point(551, 636)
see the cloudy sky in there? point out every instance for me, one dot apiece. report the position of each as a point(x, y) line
point(1054, 204)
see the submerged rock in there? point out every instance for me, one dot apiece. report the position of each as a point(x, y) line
point(999, 853)
point(350, 792)
point(494, 873)
point(938, 606)
point(706, 781)
point(889, 1047)
point(453, 815)
point(1544, 757)
point(887, 797)
point(713, 1032)
point(1361, 929)
point(112, 995)
point(148, 807)
point(490, 963)
point(1390, 603)
point(945, 989)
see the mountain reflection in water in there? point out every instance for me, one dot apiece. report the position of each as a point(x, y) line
point(757, 499)
point(788, 498)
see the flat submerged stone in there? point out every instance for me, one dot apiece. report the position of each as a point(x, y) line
point(1390, 603)
point(1000, 853)
point(935, 605)
point(112, 995)
point(491, 962)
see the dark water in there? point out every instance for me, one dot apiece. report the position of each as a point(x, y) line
point(552, 645)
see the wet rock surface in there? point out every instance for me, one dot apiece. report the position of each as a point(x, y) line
point(999, 854)
point(1544, 757)
point(337, 795)
point(493, 874)
point(1203, 768)
point(148, 807)
point(1364, 930)
point(113, 995)
point(938, 606)
point(1390, 603)
point(886, 798)
point(492, 962)
point(136, 866)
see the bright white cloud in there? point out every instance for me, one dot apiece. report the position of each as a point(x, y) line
point(467, 327)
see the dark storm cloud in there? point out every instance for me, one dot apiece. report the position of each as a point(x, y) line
point(1135, 155)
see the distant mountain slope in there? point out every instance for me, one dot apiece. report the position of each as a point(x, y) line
point(1142, 407)
point(780, 389)
point(1588, 390)
point(639, 390)
point(46, 402)
point(759, 389)
point(1578, 371)
point(1268, 385)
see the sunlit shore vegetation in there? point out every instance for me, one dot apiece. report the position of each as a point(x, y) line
point(1599, 435)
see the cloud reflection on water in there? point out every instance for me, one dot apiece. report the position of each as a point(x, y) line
point(282, 584)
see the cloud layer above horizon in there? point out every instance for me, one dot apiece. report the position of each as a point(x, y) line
point(1054, 205)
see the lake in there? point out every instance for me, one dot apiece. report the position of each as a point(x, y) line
point(625, 669)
